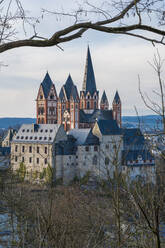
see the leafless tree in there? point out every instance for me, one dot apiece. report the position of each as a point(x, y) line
point(143, 19)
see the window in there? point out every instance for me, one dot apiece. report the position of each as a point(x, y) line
point(88, 105)
point(50, 138)
point(87, 148)
point(45, 138)
point(45, 161)
point(23, 148)
point(26, 137)
point(23, 130)
point(41, 130)
point(23, 159)
point(95, 160)
point(38, 160)
point(21, 137)
point(40, 138)
point(51, 130)
point(95, 105)
point(35, 137)
point(46, 150)
point(95, 148)
point(16, 148)
point(88, 97)
point(107, 146)
point(27, 130)
point(30, 160)
point(46, 131)
point(16, 159)
point(51, 96)
point(106, 161)
point(30, 149)
point(31, 137)
point(38, 149)
point(17, 137)
point(41, 97)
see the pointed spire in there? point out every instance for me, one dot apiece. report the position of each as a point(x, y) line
point(104, 98)
point(89, 83)
point(116, 98)
point(46, 84)
point(68, 86)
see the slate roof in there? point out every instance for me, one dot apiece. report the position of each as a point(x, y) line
point(116, 98)
point(109, 127)
point(104, 98)
point(66, 147)
point(95, 115)
point(69, 90)
point(5, 151)
point(89, 84)
point(133, 155)
point(46, 85)
point(84, 136)
point(37, 133)
point(133, 138)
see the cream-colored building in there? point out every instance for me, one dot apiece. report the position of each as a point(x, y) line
point(34, 146)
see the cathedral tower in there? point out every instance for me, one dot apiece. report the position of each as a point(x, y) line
point(47, 102)
point(117, 109)
point(104, 105)
point(68, 105)
point(89, 96)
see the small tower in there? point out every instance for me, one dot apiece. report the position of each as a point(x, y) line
point(68, 105)
point(117, 109)
point(104, 105)
point(89, 96)
point(47, 102)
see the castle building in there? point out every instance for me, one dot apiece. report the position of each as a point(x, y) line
point(74, 110)
point(74, 136)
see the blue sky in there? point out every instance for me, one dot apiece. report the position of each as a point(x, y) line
point(117, 61)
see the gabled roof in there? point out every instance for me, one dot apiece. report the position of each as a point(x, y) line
point(46, 85)
point(89, 84)
point(37, 133)
point(84, 136)
point(68, 90)
point(96, 115)
point(104, 98)
point(74, 93)
point(109, 127)
point(116, 98)
point(133, 155)
point(68, 86)
point(133, 137)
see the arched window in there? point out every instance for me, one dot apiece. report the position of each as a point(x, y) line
point(95, 105)
point(95, 160)
point(106, 161)
point(88, 105)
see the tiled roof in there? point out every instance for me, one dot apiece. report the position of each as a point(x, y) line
point(109, 127)
point(46, 85)
point(116, 98)
point(96, 115)
point(37, 133)
point(89, 84)
point(104, 98)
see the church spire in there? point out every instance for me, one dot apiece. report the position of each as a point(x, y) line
point(104, 102)
point(89, 96)
point(89, 84)
point(117, 109)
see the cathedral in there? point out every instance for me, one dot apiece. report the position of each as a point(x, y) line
point(72, 109)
